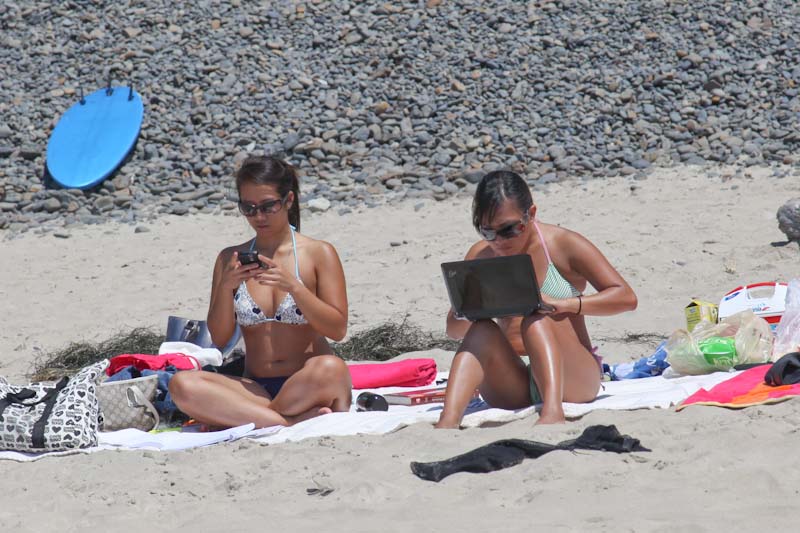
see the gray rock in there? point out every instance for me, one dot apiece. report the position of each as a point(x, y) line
point(104, 203)
point(29, 152)
point(290, 141)
point(557, 152)
point(51, 205)
point(319, 205)
point(789, 219)
point(361, 134)
point(474, 176)
point(191, 196)
point(442, 158)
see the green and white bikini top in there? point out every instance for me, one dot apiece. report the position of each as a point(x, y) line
point(554, 283)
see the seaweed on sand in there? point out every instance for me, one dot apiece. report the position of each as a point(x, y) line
point(379, 343)
point(389, 340)
point(76, 355)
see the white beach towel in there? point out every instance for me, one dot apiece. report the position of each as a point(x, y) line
point(204, 356)
point(647, 393)
point(656, 392)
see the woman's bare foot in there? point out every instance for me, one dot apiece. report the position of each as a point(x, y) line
point(444, 423)
point(551, 418)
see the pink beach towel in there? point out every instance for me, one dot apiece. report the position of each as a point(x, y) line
point(744, 390)
point(408, 373)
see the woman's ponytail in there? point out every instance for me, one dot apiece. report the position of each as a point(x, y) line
point(294, 211)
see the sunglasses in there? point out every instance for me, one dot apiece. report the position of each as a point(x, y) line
point(508, 231)
point(266, 207)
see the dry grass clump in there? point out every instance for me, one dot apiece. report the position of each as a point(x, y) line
point(76, 355)
point(389, 340)
point(380, 343)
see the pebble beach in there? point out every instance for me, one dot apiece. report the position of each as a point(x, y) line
point(384, 101)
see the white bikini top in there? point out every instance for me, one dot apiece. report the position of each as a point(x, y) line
point(249, 314)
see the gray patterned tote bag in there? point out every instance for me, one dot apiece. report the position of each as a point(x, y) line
point(128, 404)
point(42, 417)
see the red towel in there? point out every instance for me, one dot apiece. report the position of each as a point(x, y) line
point(744, 390)
point(151, 362)
point(408, 373)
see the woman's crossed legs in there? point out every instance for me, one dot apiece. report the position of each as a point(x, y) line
point(320, 387)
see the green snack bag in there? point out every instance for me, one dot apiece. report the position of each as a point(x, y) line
point(719, 351)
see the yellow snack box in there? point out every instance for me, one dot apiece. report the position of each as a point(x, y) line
point(698, 310)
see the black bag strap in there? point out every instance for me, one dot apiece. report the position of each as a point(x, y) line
point(15, 398)
point(49, 400)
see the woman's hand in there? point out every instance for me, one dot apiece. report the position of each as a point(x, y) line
point(275, 276)
point(234, 273)
point(557, 306)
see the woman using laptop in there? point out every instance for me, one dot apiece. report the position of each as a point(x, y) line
point(563, 365)
point(286, 301)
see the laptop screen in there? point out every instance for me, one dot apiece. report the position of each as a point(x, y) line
point(491, 288)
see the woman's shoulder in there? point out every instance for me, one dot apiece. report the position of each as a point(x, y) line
point(317, 249)
point(479, 250)
point(564, 241)
point(559, 235)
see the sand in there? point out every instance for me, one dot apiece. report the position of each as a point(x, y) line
point(675, 235)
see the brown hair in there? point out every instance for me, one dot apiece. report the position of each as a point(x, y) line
point(493, 189)
point(272, 171)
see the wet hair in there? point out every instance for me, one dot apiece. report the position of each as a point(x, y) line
point(272, 171)
point(493, 189)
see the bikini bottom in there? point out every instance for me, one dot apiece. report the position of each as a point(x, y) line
point(272, 385)
point(536, 396)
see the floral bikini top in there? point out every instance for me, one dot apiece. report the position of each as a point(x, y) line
point(247, 311)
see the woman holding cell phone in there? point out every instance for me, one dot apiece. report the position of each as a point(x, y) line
point(287, 293)
point(563, 364)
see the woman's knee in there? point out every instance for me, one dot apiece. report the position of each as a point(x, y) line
point(184, 385)
point(328, 369)
point(479, 333)
point(537, 322)
point(483, 326)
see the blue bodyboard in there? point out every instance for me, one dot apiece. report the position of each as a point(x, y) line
point(93, 137)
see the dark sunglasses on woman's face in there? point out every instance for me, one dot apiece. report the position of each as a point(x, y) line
point(267, 207)
point(508, 231)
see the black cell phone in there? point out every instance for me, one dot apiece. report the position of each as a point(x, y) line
point(250, 257)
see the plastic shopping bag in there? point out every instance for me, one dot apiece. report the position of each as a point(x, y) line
point(787, 336)
point(738, 339)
